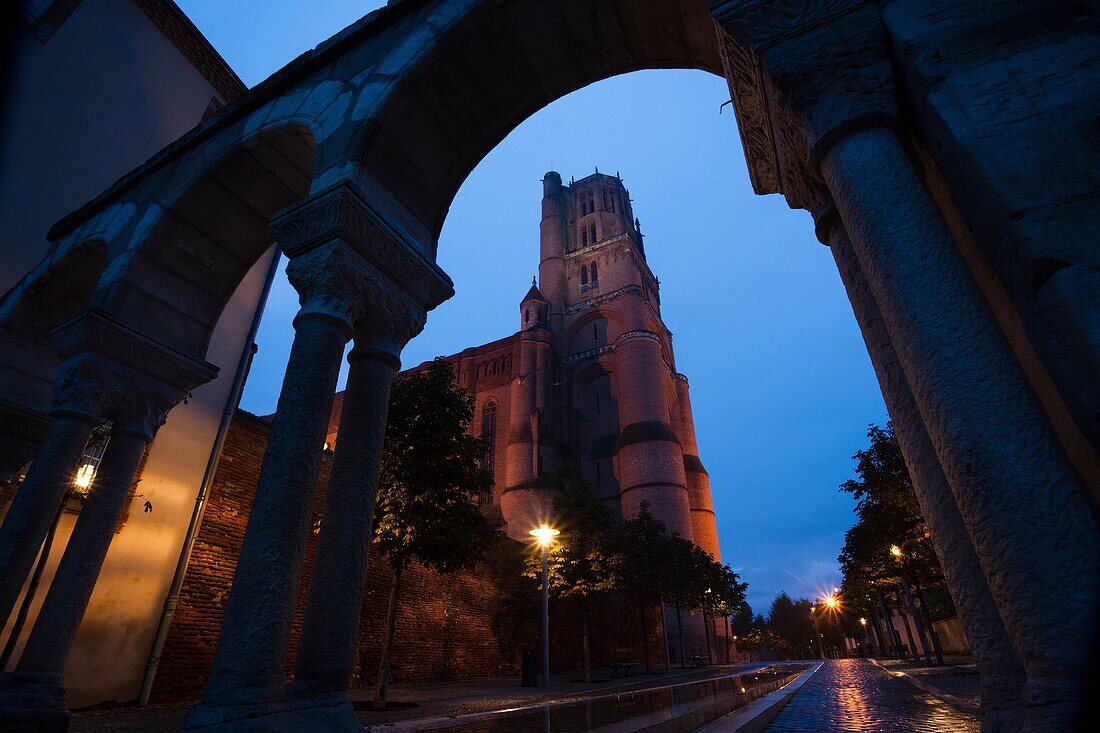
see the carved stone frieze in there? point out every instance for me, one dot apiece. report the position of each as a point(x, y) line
point(17, 423)
point(632, 335)
point(750, 105)
point(95, 331)
point(803, 74)
point(342, 214)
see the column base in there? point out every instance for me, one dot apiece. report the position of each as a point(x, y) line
point(1055, 704)
point(331, 713)
point(33, 703)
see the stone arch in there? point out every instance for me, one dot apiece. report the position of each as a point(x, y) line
point(186, 259)
point(59, 288)
point(451, 104)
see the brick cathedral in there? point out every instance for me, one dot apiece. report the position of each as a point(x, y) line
point(587, 387)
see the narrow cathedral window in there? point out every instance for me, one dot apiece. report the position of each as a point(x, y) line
point(595, 275)
point(489, 434)
point(584, 275)
point(592, 233)
point(597, 400)
point(595, 332)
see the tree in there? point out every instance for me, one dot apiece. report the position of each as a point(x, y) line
point(790, 627)
point(724, 596)
point(638, 564)
point(580, 565)
point(681, 582)
point(431, 472)
point(890, 543)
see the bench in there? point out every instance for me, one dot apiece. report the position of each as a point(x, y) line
point(620, 662)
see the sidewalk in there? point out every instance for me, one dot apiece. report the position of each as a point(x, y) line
point(432, 700)
point(856, 696)
point(956, 681)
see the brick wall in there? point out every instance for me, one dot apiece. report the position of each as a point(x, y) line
point(464, 625)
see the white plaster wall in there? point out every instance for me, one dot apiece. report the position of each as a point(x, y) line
point(99, 97)
point(112, 647)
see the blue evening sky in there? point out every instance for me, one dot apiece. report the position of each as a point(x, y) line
point(781, 384)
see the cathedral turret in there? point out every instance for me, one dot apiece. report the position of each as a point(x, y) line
point(533, 308)
point(553, 240)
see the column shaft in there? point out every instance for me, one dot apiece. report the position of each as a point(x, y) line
point(250, 660)
point(63, 609)
point(1027, 513)
point(33, 508)
point(1001, 676)
point(327, 652)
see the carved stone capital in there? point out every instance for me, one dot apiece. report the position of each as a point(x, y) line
point(389, 322)
point(111, 371)
point(341, 214)
point(803, 74)
point(94, 385)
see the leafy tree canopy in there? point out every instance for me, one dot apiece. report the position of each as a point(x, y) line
point(430, 473)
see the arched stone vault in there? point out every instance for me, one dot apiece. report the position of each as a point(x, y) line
point(351, 156)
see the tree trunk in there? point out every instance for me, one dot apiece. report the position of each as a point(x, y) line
point(645, 638)
point(382, 690)
point(908, 630)
point(709, 633)
point(680, 635)
point(727, 639)
point(584, 643)
point(931, 628)
point(664, 635)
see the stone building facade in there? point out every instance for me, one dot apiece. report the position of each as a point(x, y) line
point(587, 388)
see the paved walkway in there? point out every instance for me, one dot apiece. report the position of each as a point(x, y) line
point(852, 695)
point(431, 700)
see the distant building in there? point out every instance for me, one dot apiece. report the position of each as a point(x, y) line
point(587, 388)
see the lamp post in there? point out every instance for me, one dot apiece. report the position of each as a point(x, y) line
point(897, 553)
point(544, 535)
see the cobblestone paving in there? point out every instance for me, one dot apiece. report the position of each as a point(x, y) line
point(854, 695)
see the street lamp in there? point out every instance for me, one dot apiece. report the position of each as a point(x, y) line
point(544, 535)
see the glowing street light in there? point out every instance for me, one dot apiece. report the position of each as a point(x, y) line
point(895, 550)
point(544, 535)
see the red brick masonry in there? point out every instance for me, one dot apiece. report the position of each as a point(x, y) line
point(464, 625)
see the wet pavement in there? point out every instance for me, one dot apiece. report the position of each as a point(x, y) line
point(493, 704)
point(852, 695)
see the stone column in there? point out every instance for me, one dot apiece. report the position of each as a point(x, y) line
point(328, 650)
point(648, 458)
point(1027, 512)
point(828, 84)
point(1001, 676)
point(35, 504)
point(132, 381)
point(339, 252)
point(250, 661)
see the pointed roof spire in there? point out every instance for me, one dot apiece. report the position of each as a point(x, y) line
point(534, 293)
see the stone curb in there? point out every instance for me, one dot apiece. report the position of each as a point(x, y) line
point(757, 715)
point(952, 700)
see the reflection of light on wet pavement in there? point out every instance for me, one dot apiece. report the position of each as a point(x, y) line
point(851, 696)
point(677, 708)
